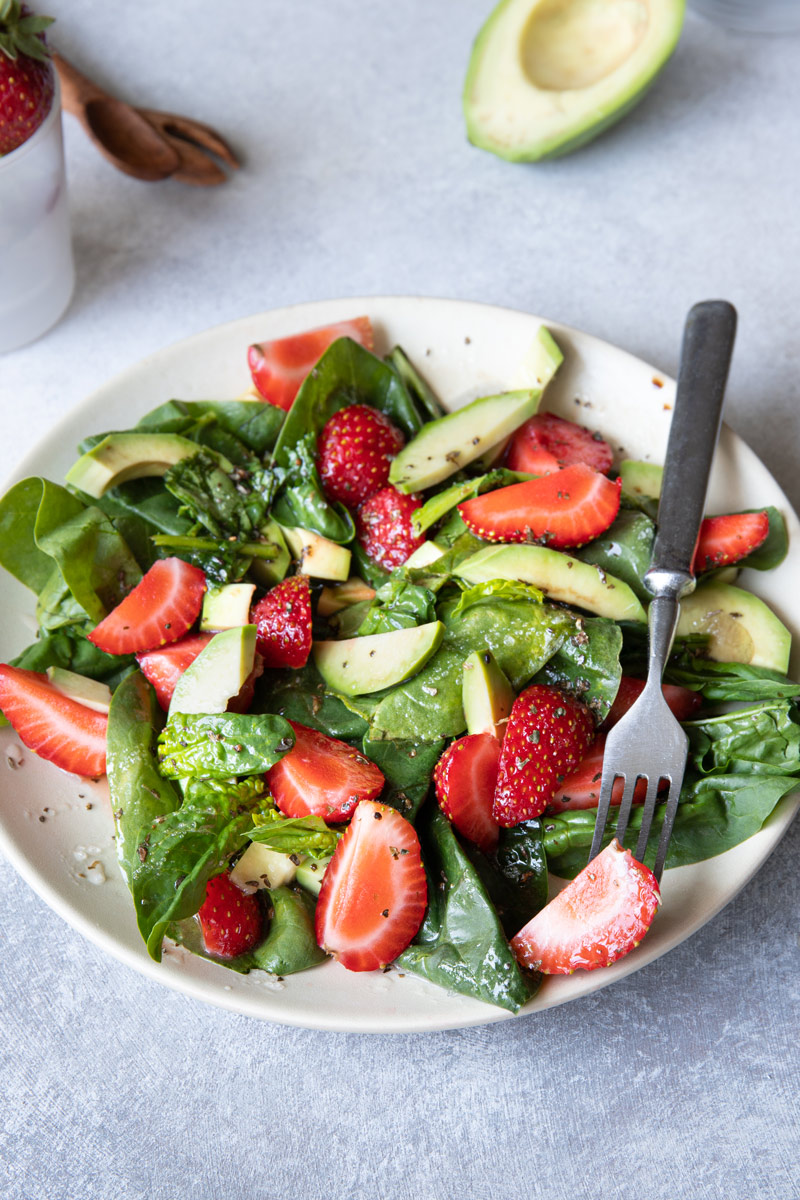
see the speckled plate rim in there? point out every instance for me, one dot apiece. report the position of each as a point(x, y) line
point(465, 349)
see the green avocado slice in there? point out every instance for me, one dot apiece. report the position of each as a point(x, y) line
point(360, 665)
point(741, 627)
point(547, 76)
point(123, 456)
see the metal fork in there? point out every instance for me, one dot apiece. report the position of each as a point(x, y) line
point(649, 743)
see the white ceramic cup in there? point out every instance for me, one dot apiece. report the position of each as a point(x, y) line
point(37, 275)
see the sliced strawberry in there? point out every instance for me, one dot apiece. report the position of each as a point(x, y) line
point(547, 735)
point(240, 703)
point(355, 451)
point(280, 366)
point(163, 668)
point(728, 539)
point(231, 920)
point(601, 915)
point(683, 702)
point(323, 777)
point(383, 526)
point(160, 609)
point(559, 439)
point(465, 779)
point(52, 725)
point(568, 508)
point(581, 788)
point(374, 892)
point(283, 623)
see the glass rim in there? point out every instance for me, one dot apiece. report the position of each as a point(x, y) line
point(41, 133)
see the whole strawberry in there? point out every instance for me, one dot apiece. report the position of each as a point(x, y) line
point(355, 450)
point(383, 525)
point(27, 80)
point(283, 623)
point(547, 735)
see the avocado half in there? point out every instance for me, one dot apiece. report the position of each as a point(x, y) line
point(547, 76)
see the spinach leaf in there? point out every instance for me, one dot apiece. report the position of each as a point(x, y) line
point(228, 503)
point(773, 551)
point(302, 503)
point(515, 875)
point(763, 740)
point(149, 501)
point(497, 589)
point(300, 695)
point(178, 853)
point(398, 605)
point(407, 767)
point(252, 422)
point(139, 793)
point(624, 550)
point(294, 835)
point(722, 682)
point(369, 571)
point(587, 664)
point(291, 944)
point(346, 374)
point(70, 648)
point(716, 812)
point(461, 944)
point(443, 502)
point(221, 745)
point(418, 388)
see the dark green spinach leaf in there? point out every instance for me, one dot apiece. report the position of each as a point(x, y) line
point(220, 745)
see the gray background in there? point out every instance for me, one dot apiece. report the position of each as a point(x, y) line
point(679, 1081)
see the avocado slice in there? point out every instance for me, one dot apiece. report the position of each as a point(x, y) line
point(547, 76)
point(424, 555)
point(263, 868)
point(445, 446)
point(487, 695)
point(316, 555)
point(226, 607)
point(559, 576)
point(741, 627)
point(311, 873)
point(123, 456)
point(217, 674)
point(335, 599)
point(269, 571)
point(91, 693)
point(641, 481)
point(360, 665)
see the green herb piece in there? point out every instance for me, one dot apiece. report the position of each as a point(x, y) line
point(221, 745)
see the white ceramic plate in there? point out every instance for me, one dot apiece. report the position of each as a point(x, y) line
point(465, 350)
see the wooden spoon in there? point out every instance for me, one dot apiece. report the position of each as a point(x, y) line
point(123, 135)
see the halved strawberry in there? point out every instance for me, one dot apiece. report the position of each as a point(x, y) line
point(374, 893)
point(547, 735)
point(231, 920)
point(559, 439)
point(163, 668)
point(728, 539)
point(568, 508)
point(160, 609)
point(283, 623)
point(322, 776)
point(601, 915)
point(581, 788)
point(52, 725)
point(383, 525)
point(355, 451)
point(279, 367)
point(683, 702)
point(465, 779)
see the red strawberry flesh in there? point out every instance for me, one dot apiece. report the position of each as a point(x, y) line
point(465, 778)
point(600, 916)
point(160, 609)
point(279, 367)
point(231, 920)
point(728, 539)
point(322, 776)
point(682, 701)
point(374, 892)
point(283, 623)
point(565, 509)
point(564, 441)
point(383, 526)
point(547, 735)
point(164, 667)
point(54, 726)
point(355, 451)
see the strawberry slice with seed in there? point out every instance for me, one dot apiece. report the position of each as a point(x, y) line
point(383, 526)
point(322, 776)
point(283, 623)
point(600, 916)
point(355, 451)
point(728, 539)
point(565, 509)
point(581, 789)
point(160, 609)
point(546, 437)
point(465, 778)
point(55, 727)
point(279, 367)
point(231, 920)
point(547, 735)
point(164, 667)
point(374, 892)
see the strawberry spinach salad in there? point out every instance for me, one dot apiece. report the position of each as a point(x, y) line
point(349, 662)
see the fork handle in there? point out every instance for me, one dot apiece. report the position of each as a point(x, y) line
point(705, 359)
